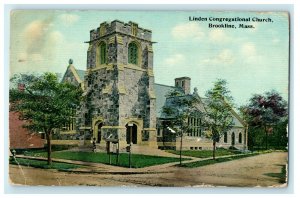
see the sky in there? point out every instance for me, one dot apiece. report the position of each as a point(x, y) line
point(251, 60)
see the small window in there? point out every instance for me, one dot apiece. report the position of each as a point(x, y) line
point(103, 53)
point(133, 54)
point(191, 148)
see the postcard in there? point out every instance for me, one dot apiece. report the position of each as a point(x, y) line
point(149, 98)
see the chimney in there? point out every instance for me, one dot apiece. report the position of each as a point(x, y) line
point(184, 83)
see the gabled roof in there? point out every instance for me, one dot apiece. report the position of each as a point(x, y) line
point(237, 120)
point(81, 74)
point(161, 92)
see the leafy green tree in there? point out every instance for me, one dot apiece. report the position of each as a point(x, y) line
point(266, 112)
point(177, 110)
point(45, 103)
point(218, 113)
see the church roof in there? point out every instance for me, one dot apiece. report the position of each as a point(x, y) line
point(237, 120)
point(161, 91)
point(80, 74)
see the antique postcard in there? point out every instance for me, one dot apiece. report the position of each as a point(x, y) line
point(152, 98)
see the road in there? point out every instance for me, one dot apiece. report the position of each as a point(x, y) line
point(247, 172)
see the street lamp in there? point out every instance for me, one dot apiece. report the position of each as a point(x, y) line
point(130, 141)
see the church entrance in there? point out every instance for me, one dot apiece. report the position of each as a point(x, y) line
point(99, 133)
point(131, 133)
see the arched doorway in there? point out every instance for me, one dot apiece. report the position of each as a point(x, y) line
point(131, 133)
point(232, 139)
point(99, 132)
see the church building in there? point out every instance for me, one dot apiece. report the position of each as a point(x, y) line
point(122, 100)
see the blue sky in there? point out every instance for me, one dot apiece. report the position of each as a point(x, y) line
point(251, 60)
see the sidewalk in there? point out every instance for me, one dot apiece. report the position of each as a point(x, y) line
point(99, 168)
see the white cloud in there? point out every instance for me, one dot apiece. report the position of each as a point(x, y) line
point(218, 35)
point(225, 57)
point(175, 59)
point(55, 37)
point(248, 49)
point(249, 53)
point(68, 19)
point(188, 31)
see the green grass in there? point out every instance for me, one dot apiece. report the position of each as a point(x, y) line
point(205, 153)
point(218, 160)
point(138, 161)
point(42, 164)
point(280, 176)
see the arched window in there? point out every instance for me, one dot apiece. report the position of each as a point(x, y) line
point(233, 139)
point(103, 54)
point(240, 138)
point(225, 137)
point(133, 54)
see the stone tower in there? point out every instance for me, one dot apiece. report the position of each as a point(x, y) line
point(120, 101)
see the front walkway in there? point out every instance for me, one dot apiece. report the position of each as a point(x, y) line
point(91, 167)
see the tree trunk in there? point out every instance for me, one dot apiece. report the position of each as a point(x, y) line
point(214, 149)
point(48, 136)
point(266, 131)
point(180, 152)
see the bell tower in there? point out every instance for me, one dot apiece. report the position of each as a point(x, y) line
point(120, 83)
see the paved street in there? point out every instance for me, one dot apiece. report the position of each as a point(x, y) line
point(251, 171)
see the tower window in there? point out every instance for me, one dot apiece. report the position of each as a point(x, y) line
point(103, 53)
point(133, 54)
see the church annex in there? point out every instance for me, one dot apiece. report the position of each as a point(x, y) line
point(122, 100)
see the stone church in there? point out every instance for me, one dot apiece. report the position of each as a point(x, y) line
point(122, 100)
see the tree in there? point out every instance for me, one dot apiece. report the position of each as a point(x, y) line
point(266, 112)
point(177, 110)
point(219, 117)
point(45, 103)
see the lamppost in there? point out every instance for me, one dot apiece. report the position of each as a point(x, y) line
point(130, 142)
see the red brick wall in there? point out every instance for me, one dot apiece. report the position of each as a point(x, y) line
point(20, 137)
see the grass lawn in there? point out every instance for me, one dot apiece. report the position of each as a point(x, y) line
point(138, 161)
point(42, 164)
point(206, 153)
point(280, 176)
point(219, 160)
